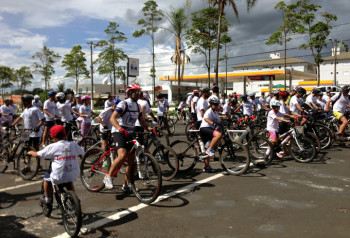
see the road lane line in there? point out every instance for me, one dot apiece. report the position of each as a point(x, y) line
point(119, 215)
point(20, 186)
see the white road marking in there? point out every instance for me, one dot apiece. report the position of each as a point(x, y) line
point(119, 215)
point(20, 186)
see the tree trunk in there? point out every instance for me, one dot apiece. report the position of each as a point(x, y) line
point(179, 78)
point(285, 62)
point(209, 69)
point(217, 49)
point(153, 66)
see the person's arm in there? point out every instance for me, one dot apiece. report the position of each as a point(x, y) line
point(314, 105)
point(47, 113)
point(143, 123)
point(281, 119)
point(328, 104)
point(100, 121)
point(18, 120)
point(33, 153)
point(114, 120)
point(41, 122)
point(209, 121)
point(238, 108)
point(299, 107)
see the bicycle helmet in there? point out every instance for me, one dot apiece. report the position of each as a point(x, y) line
point(52, 93)
point(78, 96)
point(195, 92)
point(215, 88)
point(275, 104)
point(159, 95)
point(36, 97)
point(132, 87)
point(27, 98)
point(244, 96)
point(251, 94)
point(284, 93)
point(60, 96)
point(301, 90)
point(205, 90)
point(85, 97)
point(345, 88)
point(316, 90)
point(214, 100)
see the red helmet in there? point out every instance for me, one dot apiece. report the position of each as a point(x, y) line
point(195, 92)
point(284, 93)
point(132, 87)
point(214, 86)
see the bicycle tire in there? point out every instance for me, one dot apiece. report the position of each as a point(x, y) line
point(190, 126)
point(168, 162)
point(71, 213)
point(257, 147)
point(324, 134)
point(305, 154)
point(92, 178)
point(314, 139)
point(96, 134)
point(186, 155)
point(87, 142)
point(171, 126)
point(147, 187)
point(27, 166)
point(234, 158)
point(163, 137)
point(4, 158)
point(48, 208)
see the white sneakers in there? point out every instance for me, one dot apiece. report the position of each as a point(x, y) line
point(108, 182)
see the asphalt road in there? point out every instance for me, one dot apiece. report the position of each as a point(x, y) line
point(287, 199)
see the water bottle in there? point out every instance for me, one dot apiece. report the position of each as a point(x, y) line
point(285, 140)
point(202, 146)
point(207, 144)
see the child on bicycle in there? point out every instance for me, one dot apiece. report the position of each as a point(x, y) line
point(248, 107)
point(64, 161)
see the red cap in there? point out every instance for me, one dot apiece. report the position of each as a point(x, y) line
point(55, 130)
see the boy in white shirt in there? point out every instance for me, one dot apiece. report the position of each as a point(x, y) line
point(181, 108)
point(105, 124)
point(247, 107)
point(64, 161)
point(37, 103)
point(50, 112)
point(7, 111)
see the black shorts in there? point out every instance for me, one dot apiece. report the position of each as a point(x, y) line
point(198, 124)
point(140, 129)
point(283, 127)
point(121, 142)
point(49, 123)
point(206, 133)
point(194, 116)
point(33, 141)
point(104, 135)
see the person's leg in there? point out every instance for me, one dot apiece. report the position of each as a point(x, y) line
point(215, 140)
point(129, 171)
point(117, 162)
point(104, 144)
point(342, 127)
point(46, 129)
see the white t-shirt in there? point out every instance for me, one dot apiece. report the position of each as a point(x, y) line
point(66, 111)
point(273, 100)
point(37, 104)
point(211, 115)
point(108, 103)
point(257, 104)
point(147, 109)
point(162, 106)
point(272, 123)
point(310, 99)
point(340, 105)
point(105, 115)
point(247, 108)
point(15, 107)
point(227, 109)
point(64, 158)
point(268, 99)
point(31, 118)
point(325, 97)
point(7, 110)
point(194, 100)
point(51, 108)
point(284, 109)
point(202, 104)
point(292, 104)
point(263, 100)
point(87, 111)
point(128, 120)
point(189, 100)
point(182, 105)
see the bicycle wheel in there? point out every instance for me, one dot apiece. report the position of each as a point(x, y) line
point(190, 135)
point(315, 140)
point(257, 147)
point(96, 134)
point(168, 162)
point(27, 166)
point(303, 149)
point(4, 158)
point(71, 213)
point(147, 182)
point(186, 155)
point(87, 142)
point(234, 158)
point(47, 209)
point(171, 126)
point(93, 168)
point(324, 134)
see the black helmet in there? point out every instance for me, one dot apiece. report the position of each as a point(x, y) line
point(316, 91)
point(301, 90)
point(205, 90)
point(345, 88)
point(159, 95)
point(27, 98)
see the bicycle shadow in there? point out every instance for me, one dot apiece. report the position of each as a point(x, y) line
point(11, 227)
point(8, 200)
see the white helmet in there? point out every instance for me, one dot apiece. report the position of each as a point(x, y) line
point(251, 94)
point(36, 97)
point(213, 99)
point(60, 96)
point(275, 104)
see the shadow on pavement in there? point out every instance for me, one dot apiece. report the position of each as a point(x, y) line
point(11, 227)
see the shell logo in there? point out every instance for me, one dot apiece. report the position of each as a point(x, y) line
point(166, 77)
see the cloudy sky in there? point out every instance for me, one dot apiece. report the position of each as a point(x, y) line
point(27, 25)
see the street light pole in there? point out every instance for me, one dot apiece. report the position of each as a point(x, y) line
point(335, 60)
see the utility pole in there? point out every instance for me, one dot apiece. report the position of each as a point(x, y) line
point(91, 44)
point(335, 46)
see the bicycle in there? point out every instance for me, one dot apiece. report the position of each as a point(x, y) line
point(162, 120)
point(69, 204)
point(146, 182)
point(27, 166)
point(185, 116)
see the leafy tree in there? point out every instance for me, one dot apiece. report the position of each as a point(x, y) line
point(74, 63)
point(152, 16)
point(282, 36)
point(202, 37)
point(46, 59)
point(316, 31)
point(111, 55)
point(23, 78)
point(6, 73)
point(60, 87)
point(37, 91)
point(178, 21)
point(19, 92)
point(221, 9)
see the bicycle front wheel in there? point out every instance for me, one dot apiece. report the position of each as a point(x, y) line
point(257, 147)
point(303, 149)
point(27, 166)
point(146, 183)
point(4, 158)
point(93, 168)
point(168, 162)
point(71, 213)
point(171, 126)
point(234, 158)
point(186, 154)
point(87, 142)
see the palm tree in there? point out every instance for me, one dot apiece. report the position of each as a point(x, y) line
point(178, 21)
point(23, 78)
point(221, 9)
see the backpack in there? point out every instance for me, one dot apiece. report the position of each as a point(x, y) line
point(126, 109)
point(339, 95)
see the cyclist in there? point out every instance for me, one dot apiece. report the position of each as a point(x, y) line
point(248, 108)
point(64, 157)
point(223, 99)
point(202, 106)
point(328, 95)
point(189, 101)
point(37, 103)
point(208, 130)
point(14, 106)
point(145, 109)
point(296, 102)
point(292, 93)
point(181, 108)
point(7, 111)
point(227, 110)
point(50, 112)
point(340, 103)
point(269, 98)
point(311, 100)
point(162, 111)
point(258, 105)
point(262, 99)
point(194, 105)
point(123, 121)
point(65, 108)
point(105, 124)
point(215, 89)
point(109, 101)
point(234, 99)
point(86, 112)
point(32, 118)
